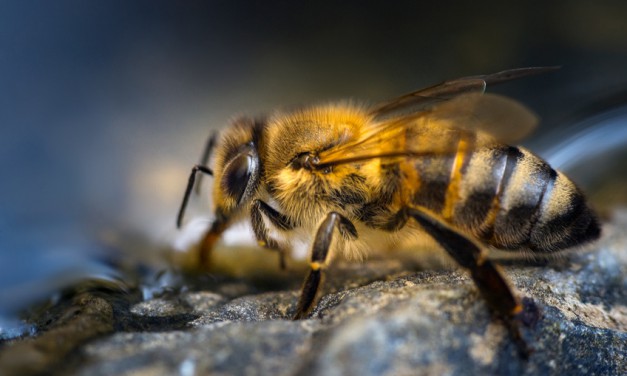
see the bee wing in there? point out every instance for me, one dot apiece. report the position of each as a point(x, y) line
point(505, 119)
point(459, 104)
point(425, 98)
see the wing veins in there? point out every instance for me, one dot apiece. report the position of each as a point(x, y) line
point(406, 154)
point(449, 89)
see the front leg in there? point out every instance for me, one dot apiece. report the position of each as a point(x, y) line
point(209, 240)
point(319, 254)
point(204, 159)
point(260, 208)
point(217, 227)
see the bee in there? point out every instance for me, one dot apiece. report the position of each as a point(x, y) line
point(436, 161)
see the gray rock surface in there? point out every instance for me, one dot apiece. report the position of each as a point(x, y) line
point(376, 318)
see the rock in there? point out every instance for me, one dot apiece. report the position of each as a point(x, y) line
point(87, 316)
point(375, 318)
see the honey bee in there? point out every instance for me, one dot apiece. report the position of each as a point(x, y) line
point(435, 161)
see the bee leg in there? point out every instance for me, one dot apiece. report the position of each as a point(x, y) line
point(319, 254)
point(188, 190)
point(204, 159)
point(209, 240)
point(488, 279)
point(220, 224)
point(260, 208)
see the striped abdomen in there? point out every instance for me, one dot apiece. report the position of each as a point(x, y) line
point(506, 197)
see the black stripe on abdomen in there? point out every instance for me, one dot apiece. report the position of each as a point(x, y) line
point(479, 187)
point(435, 176)
point(564, 219)
point(520, 199)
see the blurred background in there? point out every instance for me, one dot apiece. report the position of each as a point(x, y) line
point(105, 106)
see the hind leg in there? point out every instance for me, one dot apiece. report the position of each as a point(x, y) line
point(488, 279)
point(469, 255)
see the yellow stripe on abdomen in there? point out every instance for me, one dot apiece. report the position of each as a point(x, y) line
point(452, 191)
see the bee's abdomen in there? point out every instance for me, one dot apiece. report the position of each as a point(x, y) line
point(511, 199)
point(564, 219)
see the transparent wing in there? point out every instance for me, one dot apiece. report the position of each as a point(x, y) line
point(505, 119)
point(425, 98)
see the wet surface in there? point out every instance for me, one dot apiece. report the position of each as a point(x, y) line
point(374, 318)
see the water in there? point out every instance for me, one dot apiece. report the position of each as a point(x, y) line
point(40, 263)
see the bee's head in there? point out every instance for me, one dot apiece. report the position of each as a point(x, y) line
point(237, 168)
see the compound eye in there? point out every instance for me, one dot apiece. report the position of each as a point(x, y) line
point(237, 175)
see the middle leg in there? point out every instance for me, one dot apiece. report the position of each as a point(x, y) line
point(260, 208)
point(319, 254)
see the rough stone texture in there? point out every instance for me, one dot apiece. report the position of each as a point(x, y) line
point(376, 318)
point(85, 317)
